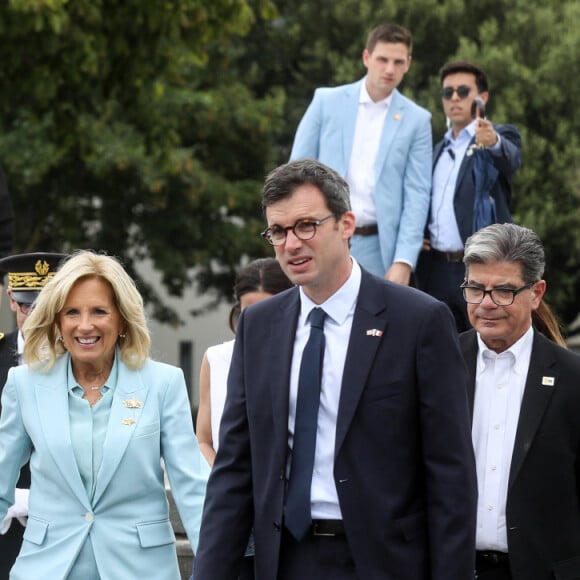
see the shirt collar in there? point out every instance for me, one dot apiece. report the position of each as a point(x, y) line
point(340, 304)
point(20, 342)
point(365, 98)
point(519, 352)
point(467, 132)
point(110, 383)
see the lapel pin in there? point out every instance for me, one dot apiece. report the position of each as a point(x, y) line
point(132, 404)
point(128, 422)
point(397, 116)
point(374, 332)
point(548, 381)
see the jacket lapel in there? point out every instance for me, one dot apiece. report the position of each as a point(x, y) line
point(53, 411)
point(437, 152)
point(363, 344)
point(468, 342)
point(282, 333)
point(129, 399)
point(348, 120)
point(537, 394)
point(395, 116)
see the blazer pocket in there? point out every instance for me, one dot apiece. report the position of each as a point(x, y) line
point(157, 533)
point(146, 429)
point(567, 569)
point(411, 526)
point(36, 530)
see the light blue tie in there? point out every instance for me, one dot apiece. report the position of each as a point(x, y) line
point(298, 518)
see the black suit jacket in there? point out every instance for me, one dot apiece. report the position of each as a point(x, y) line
point(543, 502)
point(404, 466)
point(506, 163)
point(11, 541)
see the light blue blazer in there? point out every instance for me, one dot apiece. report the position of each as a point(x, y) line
point(128, 517)
point(402, 168)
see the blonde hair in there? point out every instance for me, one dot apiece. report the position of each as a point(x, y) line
point(43, 344)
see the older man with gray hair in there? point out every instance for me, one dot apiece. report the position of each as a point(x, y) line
point(526, 413)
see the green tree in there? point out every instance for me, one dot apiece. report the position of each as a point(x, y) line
point(530, 54)
point(116, 134)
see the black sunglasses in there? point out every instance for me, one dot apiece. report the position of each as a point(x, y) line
point(462, 92)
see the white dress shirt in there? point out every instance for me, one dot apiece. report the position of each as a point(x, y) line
point(443, 228)
point(499, 389)
point(361, 174)
point(339, 309)
point(20, 343)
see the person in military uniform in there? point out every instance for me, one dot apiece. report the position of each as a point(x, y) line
point(27, 275)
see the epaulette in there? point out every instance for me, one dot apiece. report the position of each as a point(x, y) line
point(2, 335)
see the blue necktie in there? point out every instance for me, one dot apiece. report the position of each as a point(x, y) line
point(298, 518)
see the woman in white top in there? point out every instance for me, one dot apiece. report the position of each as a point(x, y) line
point(257, 281)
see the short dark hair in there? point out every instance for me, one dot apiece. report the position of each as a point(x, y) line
point(460, 66)
point(285, 179)
point(389, 33)
point(262, 275)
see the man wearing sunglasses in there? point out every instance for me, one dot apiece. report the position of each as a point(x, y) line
point(525, 405)
point(27, 275)
point(473, 164)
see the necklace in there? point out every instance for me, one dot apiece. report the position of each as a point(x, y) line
point(97, 388)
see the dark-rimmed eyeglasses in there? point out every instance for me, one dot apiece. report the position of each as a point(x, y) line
point(304, 229)
point(499, 296)
point(462, 92)
point(25, 307)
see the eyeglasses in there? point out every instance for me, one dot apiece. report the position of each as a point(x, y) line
point(462, 92)
point(303, 229)
point(499, 296)
point(25, 307)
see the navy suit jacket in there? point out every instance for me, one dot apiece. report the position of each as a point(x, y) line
point(506, 162)
point(543, 501)
point(404, 466)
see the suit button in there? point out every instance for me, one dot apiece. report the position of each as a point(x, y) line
point(89, 517)
point(277, 526)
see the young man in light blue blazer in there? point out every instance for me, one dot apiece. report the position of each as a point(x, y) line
point(380, 142)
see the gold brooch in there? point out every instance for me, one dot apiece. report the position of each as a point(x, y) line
point(128, 421)
point(132, 404)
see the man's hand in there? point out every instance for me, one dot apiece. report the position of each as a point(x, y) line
point(400, 273)
point(484, 133)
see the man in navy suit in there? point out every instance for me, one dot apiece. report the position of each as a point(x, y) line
point(391, 492)
point(380, 142)
point(526, 408)
point(475, 156)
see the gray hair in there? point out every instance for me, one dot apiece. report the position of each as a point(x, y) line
point(507, 243)
point(285, 179)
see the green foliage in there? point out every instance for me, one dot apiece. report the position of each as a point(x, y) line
point(117, 134)
point(145, 127)
point(530, 54)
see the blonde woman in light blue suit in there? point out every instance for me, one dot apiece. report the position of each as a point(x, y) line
point(97, 418)
point(381, 143)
